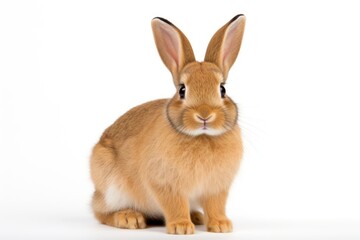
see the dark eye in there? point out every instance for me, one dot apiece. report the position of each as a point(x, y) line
point(223, 91)
point(182, 91)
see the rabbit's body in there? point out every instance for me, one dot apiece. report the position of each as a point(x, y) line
point(168, 158)
point(139, 154)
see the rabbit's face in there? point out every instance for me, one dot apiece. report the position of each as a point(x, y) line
point(201, 105)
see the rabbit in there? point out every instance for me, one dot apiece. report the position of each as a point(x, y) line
point(169, 158)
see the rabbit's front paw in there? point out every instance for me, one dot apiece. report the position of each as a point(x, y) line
point(181, 227)
point(219, 226)
point(129, 219)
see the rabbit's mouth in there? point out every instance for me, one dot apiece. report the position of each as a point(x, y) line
point(204, 121)
point(204, 126)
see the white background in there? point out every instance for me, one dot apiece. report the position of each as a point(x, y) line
point(68, 69)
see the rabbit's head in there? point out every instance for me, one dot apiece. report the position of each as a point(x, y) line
point(200, 105)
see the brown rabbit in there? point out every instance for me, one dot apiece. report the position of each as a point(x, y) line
point(167, 158)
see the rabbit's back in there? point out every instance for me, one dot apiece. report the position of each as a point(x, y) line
point(116, 165)
point(136, 120)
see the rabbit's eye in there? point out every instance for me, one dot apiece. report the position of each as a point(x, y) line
point(182, 91)
point(222, 91)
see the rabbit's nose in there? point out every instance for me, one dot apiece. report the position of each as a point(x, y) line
point(204, 119)
point(201, 118)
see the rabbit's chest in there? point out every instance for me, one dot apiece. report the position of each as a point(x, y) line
point(208, 167)
point(194, 165)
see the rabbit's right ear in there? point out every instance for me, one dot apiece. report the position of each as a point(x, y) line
point(173, 46)
point(225, 44)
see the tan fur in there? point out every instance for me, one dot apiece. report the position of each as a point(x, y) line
point(153, 163)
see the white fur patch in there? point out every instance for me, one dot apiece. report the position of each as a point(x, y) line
point(208, 131)
point(117, 199)
point(194, 204)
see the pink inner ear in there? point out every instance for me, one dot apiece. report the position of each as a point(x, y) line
point(229, 43)
point(171, 46)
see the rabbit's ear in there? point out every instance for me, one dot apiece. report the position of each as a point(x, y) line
point(224, 46)
point(173, 46)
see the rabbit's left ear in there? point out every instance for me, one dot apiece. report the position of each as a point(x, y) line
point(173, 46)
point(225, 45)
